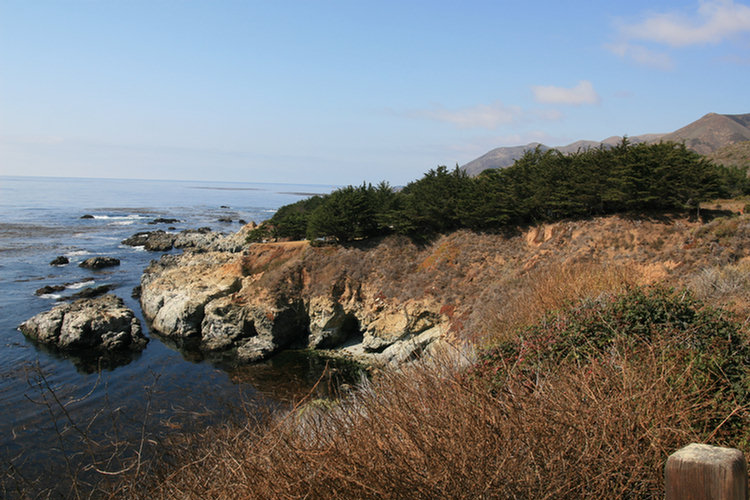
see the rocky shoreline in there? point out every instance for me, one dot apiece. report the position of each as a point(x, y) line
point(256, 302)
point(244, 302)
point(101, 324)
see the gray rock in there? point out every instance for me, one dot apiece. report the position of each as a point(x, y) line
point(330, 325)
point(164, 220)
point(60, 261)
point(102, 324)
point(91, 292)
point(197, 239)
point(159, 241)
point(45, 290)
point(137, 240)
point(256, 349)
point(174, 297)
point(99, 262)
point(224, 324)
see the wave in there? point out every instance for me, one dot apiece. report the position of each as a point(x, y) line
point(133, 217)
point(77, 253)
point(79, 284)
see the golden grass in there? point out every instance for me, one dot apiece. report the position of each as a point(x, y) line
point(429, 432)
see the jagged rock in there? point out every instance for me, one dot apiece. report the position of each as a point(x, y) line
point(262, 300)
point(159, 241)
point(102, 324)
point(390, 326)
point(256, 349)
point(173, 296)
point(197, 239)
point(155, 241)
point(99, 262)
point(60, 261)
point(224, 324)
point(235, 242)
point(403, 351)
point(46, 290)
point(137, 240)
point(330, 324)
point(163, 220)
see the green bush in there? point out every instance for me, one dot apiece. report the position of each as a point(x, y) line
point(629, 328)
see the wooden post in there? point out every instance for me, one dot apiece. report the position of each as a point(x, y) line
point(703, 472)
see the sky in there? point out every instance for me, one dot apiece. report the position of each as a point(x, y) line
point(345, 92)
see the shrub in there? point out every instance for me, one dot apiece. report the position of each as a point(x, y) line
point(641, 326)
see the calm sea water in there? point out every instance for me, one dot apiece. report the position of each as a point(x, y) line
point(40, 219)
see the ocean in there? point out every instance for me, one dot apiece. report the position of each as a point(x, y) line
point(53, 405)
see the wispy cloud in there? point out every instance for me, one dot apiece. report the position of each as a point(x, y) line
point(713, 22)
point(642, 55)
point(489, 116)
point(582, 93)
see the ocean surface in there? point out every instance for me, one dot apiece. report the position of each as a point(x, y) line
point(54, 406)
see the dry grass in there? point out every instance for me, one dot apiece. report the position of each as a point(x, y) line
point(432, 433)
point(549, 289)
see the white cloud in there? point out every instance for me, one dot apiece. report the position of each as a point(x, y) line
point(643, 56)
point(482, 116)
point(582, 93)
point(713, 22)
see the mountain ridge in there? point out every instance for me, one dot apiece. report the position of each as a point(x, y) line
point(706, 135)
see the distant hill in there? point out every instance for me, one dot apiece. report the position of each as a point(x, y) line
point(736, 155)
point(713, 132)
point(706, 135)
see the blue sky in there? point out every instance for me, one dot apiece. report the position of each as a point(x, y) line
point(341, 92)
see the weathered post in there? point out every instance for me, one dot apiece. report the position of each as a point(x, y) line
point(703, 472)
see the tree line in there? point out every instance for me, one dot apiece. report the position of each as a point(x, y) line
point(541, 186)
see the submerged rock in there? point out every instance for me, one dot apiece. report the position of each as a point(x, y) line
point(60, 261)
point(99, 262)
point(100, 324)
point(46, 290)
point(164, 220)
point(91, 292)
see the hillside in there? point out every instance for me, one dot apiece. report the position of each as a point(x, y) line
point(736, 155)
point(713, 132)
point(705, 135)
point(602, 421)
point(387, 299)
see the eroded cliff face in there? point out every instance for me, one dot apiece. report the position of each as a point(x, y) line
point(389, 300)
point(263, 300)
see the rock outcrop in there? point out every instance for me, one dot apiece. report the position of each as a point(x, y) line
point(60, 261)
point(99, 262)
point(101, 324)
point(256, 303)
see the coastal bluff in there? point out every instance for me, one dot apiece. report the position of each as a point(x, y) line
point(387, 300)
point(272, 296)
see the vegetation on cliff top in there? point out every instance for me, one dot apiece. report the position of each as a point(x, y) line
point(541, 186)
